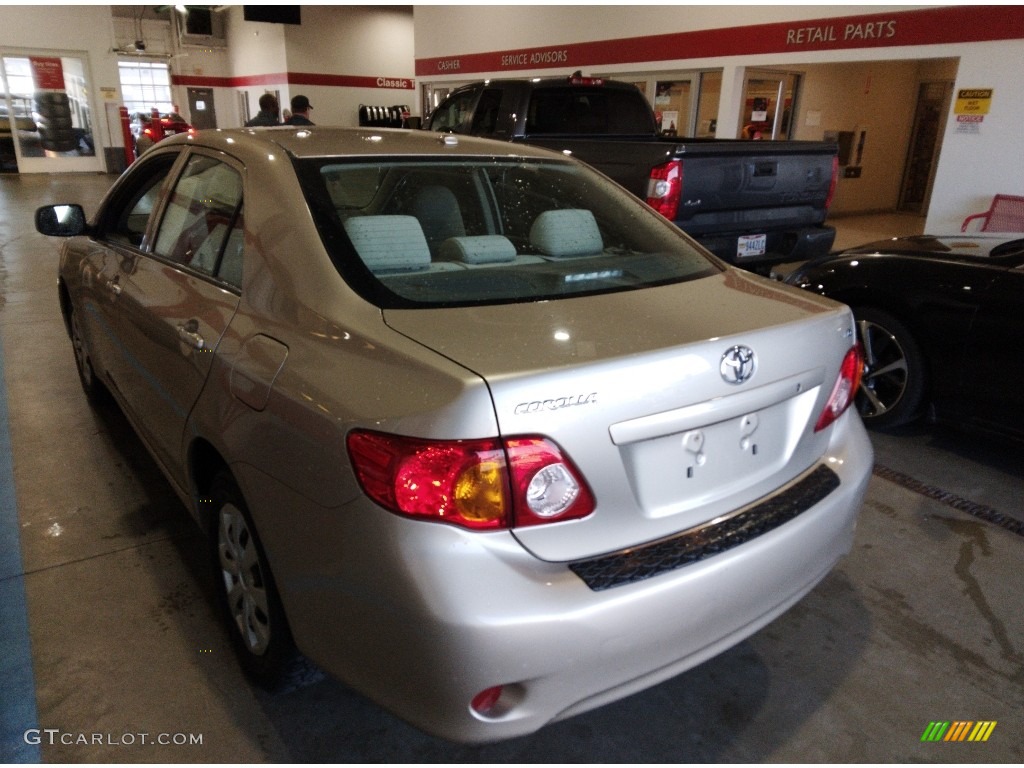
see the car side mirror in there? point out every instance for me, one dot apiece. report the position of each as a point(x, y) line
point(61, 220)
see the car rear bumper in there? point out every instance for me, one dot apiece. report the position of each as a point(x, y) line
point(422, 619)
point(798, 244)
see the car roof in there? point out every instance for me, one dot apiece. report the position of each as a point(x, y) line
point(317, 141)
point(568, 81)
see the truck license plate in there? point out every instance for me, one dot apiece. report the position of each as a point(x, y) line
point(752, 245)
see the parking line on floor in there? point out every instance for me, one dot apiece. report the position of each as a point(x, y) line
point(950, 499)
point(18, 697)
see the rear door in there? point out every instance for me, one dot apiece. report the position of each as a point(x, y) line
point(177, 300)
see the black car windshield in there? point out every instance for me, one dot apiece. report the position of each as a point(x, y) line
point(425, 233)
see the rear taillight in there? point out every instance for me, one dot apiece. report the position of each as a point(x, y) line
point(664, 188)
point(845, 389)
point(832, 183)
point(478, 484)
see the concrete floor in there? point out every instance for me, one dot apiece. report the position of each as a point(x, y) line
point(922, 622)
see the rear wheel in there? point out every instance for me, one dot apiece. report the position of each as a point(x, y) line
point(893, 384)
point(247, 592)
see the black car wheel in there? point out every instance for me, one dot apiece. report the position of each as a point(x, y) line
point(248, 595)
point(893, 384)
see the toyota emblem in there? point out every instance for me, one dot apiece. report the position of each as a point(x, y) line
point(738, 364)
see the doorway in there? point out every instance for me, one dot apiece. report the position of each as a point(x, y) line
point(925, 142)
point(769, 99)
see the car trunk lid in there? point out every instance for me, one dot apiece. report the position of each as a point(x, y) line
point(631, 386)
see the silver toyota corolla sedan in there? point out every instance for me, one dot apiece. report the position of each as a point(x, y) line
point(473, 428)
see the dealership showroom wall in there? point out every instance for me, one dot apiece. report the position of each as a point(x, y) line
point(864, 82)
point(111, 649)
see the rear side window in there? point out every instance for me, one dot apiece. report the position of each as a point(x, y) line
point(201, 224)
point(588, 111)
point(485, 119)
point(453, 115)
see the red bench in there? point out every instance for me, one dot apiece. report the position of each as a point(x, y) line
point(1006, 214)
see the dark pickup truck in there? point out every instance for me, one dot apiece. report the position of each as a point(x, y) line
point(752, 203)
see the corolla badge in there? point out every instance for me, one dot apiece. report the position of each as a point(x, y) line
point(738, 364)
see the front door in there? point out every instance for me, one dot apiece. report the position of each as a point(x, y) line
point(175, 304)
point(993, 364)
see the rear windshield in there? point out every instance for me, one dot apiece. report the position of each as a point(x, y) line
point(461, 232)
point(588, 111)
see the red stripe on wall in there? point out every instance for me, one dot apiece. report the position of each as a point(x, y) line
point(963, 24)
point(296, 78)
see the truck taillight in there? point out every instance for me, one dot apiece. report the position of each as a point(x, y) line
point(479, 484)
point(845, 389)
point(578, 79)
point(832, 184)
point(664, 188)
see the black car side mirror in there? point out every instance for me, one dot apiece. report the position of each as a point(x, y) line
point(61, 220)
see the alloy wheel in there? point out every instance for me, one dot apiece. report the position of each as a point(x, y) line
point(885, 377)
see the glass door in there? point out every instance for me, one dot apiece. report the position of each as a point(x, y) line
point(673, 107)
point(45, 115)
point(768, 101)
point(708, 101)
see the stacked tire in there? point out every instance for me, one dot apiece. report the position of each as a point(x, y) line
point(56, 133)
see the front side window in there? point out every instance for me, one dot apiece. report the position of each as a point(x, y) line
point(472, 231)
point(201, 216)
point(125, 218)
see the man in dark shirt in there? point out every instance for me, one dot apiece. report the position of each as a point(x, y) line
point(268, 114)
point(300, 111)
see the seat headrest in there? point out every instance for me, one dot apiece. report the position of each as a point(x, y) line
point(566, 232)
point(389, 243)
point(481, 249)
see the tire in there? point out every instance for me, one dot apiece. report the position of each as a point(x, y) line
point(95, 391)
point(54, 124)
point(893, 385)
point(246, 589)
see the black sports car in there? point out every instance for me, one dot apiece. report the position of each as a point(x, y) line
point(942, 324)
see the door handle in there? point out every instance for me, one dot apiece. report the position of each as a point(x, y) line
point(189, 333)
point(114, 286)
